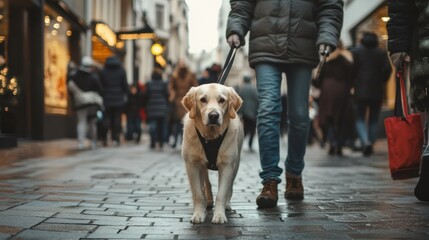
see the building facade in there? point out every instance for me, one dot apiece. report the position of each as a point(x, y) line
point(169, 21)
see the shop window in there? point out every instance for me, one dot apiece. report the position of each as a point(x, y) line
point(57, 57)
point(9, 85)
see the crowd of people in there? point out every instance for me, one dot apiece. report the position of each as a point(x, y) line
point(110, 111)
point(351, 92)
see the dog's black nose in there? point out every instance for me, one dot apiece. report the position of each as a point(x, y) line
point(213, 117)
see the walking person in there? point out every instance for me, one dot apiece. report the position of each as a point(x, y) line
point(115, 90)
point(335, 103)
point(85, 89)
point(132, 110)
point(408, 31)
point(156, 95)
point(285, 37)
point(372, 72)
point(181, 81)
point(249, 108)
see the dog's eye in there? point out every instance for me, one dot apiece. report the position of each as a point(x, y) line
point(221, 100)
point(203, 100)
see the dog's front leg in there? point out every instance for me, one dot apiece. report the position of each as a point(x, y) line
point(208, 190)
point(196, 180)
point(226, 177)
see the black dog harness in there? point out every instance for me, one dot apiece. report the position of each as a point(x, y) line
point(211, 148)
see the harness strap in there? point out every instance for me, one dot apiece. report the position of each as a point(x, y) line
point(211, 148)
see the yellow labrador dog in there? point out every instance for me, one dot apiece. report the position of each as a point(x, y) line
point(211, 121)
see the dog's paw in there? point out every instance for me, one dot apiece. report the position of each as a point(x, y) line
point(219, 218)
point(198, 217)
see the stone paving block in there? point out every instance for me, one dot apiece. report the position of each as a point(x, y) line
point(51, 235)
point(8, 230)
point(156, 221)
point(67, 221)
point(65, 227)
point(26, 213)
point(19, 221)
point(106, 232)
point(119, 206)
point(92, 217)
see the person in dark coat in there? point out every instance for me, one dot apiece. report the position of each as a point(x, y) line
point(132, 110)
point(372, 72)
point(335, 103)
point(157, 108)
point(85, 88)
point(249, 108)
point(115, 90)
point(408, 31)
point(285, 37)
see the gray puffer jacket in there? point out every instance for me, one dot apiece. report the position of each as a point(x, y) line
point(286, 31)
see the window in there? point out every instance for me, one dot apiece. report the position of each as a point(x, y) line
point(159, 16)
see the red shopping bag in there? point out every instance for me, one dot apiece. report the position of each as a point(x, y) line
point(404, 134)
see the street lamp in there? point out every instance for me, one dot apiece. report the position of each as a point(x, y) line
point(157, 49)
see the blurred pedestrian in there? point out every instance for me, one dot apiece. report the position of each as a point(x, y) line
point(156, 96)
point(115, 91)
point(335, 104)
point(408, 31)
point(132, 110)
point(249, 109)
point(285, 36)
point(214, 72)
point(85, 89)
point(205, 77)
point(180, 83)
point(372, 72)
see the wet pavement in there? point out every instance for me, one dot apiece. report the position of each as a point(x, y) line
point(51, 191)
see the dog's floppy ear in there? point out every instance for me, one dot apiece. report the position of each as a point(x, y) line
point(235, 102)
point(189, 102)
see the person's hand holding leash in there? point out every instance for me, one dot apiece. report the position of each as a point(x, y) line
point(234, 41)
point(324, 51)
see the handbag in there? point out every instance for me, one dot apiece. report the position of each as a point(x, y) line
point(404, 133)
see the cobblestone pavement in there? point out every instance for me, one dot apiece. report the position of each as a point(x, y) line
point(130, 192)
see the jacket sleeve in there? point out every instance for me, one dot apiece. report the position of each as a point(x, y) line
point(329, 19)
point(400, 25)
point(240, 18)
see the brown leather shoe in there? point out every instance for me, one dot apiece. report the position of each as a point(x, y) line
point(294, 188)
point(269, 195)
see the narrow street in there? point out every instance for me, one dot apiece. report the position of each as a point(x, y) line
point(131, 192)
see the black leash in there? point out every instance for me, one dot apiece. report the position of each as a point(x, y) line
point(227, 65)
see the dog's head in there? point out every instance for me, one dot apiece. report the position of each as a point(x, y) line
point(212, 103)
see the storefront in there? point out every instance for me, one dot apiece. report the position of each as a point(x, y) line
point(46, 37)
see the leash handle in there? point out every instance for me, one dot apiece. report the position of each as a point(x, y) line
point(227, 65)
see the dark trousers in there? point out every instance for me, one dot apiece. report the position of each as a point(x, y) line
point(156, 130)
point(133, 128)
point(249, 129)
point(112, 122)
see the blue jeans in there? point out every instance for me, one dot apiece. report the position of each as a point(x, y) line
point(367, 131)
point(268, 79)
